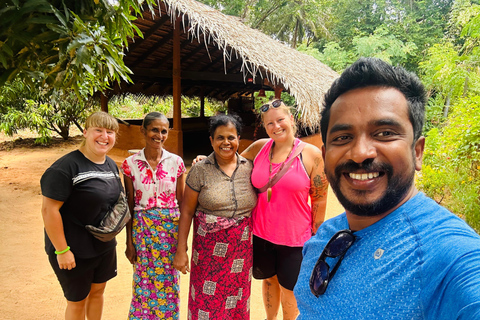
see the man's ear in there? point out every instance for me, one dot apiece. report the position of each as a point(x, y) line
point(418, 149)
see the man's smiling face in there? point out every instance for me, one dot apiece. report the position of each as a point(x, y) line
point(370, 156)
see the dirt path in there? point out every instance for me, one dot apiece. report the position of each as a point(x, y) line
point(29, 288)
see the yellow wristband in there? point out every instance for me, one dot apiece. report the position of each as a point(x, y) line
point(63, 251)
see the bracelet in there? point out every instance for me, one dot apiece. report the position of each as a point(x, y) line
point(63, 251)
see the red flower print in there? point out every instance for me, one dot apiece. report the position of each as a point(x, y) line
point(160, 173)
point(168, 198)
point(138, 196)
point(152, 202)
point(147, 179)
point(181, 169)
point(126, 169)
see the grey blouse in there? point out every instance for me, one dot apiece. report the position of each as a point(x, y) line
point(219, 194)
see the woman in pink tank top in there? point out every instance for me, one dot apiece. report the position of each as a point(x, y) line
point(289, 209)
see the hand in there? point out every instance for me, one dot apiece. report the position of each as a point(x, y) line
point(130, 252)
point(180, 262)
point(66, 260)
point(198, 158)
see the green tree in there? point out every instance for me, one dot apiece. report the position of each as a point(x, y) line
point(290, 21)
point(420, 23)
point(451, 72)
point(66, 43)
point(451, 165)
point(43, 111)
point(380, 45)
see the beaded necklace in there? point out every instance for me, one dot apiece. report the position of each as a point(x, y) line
point(270, 178)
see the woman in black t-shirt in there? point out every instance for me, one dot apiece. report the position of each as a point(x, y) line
point(78, 189)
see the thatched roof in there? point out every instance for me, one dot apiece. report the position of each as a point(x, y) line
point(218, 56)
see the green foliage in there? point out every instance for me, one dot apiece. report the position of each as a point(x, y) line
point(451, 166)
point(380, 44)
point(451, 73)
point(290, 21)
point(66, 43)
point(434, 113)
point(191, 107)
point(333, 55)
point(137, 106)
point(447, 72)
point(132, 106)
point(385, 46)
point(270, 95)
point(421, 23)
point(41, 111)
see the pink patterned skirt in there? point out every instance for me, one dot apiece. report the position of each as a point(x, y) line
point(221, 268)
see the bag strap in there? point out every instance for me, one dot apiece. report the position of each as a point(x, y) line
point(285, 168)
point(74, 219)
point(117, 176)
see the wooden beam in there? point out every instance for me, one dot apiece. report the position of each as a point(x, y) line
point(170, 55)
point(191, 54)
point(188, 75)
point(149, 33)
point(177, 80)
point(212, 63)
point(153, 49)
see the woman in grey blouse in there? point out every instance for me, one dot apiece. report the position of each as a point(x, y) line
point(219, 198)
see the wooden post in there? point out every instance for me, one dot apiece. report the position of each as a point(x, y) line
point(278, 92)
point(104, 102)
point(202, 103)
point(177, 87)
point(177, 80)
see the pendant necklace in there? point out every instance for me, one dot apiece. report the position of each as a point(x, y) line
point(270, 178)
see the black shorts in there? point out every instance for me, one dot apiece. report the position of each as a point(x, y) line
point(271, 259)
point(76, 283)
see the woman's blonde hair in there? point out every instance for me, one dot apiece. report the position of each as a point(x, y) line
point(102, 119)
point(283, 107)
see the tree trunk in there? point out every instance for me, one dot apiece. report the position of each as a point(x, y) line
point(447, 106)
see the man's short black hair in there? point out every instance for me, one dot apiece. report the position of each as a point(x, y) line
point(366, 72)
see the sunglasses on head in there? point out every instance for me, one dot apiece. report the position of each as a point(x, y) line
point(274, 104)
point(337, 246)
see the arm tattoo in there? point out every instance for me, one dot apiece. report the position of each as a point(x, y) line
point(318, 189)
point(248, 148)
point(316, 162)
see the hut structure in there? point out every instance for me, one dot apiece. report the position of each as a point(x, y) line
point(190, 49)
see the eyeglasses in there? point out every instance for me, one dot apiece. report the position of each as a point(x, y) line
point(337, 246)
point(274, 104)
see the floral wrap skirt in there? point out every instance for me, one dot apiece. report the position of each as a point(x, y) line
point(155, 281)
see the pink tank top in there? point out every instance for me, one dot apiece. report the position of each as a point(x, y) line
point(287, 218)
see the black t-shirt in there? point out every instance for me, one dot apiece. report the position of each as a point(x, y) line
point(87, 191)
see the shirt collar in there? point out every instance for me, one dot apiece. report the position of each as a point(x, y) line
point(211, 159)
point(140, 156)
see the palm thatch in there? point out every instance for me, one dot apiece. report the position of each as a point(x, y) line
point(256, 54)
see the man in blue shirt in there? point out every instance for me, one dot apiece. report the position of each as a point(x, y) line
point(394, 253)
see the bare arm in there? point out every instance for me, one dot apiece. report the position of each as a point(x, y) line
point(251, 152)
point(53, 222)
point(180, 189)
point(187, 210)
point(130, 251)
point(318, 185)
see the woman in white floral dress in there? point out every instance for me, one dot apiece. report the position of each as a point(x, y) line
point(155, 181)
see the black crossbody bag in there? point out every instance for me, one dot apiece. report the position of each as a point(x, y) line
point(114, 220)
